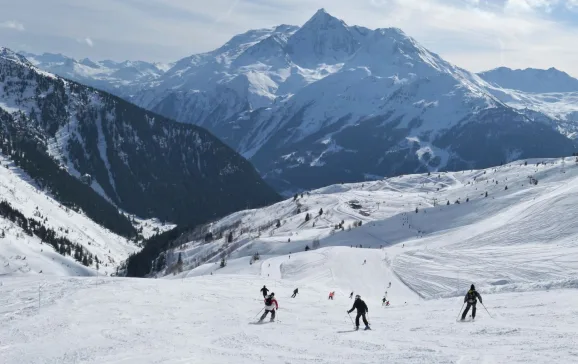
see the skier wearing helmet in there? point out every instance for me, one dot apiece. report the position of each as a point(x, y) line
point(362, 309)
point(270, 306)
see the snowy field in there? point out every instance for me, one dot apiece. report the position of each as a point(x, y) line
point(211, 320)
point(519, 245)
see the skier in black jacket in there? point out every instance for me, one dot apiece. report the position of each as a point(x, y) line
point(472, 299)
point(362, 309)
point(264, 290)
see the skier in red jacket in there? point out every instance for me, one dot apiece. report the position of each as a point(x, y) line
point(270, 306)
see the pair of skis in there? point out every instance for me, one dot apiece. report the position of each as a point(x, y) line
point(354, 330)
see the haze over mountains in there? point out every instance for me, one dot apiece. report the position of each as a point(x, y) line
point(328, 102)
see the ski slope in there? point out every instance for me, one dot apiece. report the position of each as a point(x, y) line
point(211, 320)
point(522, 236)
point(517, 245)
point(23, 254)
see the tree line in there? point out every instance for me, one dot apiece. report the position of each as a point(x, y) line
point(35, 228)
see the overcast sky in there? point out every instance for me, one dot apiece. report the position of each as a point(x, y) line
point(475, 34)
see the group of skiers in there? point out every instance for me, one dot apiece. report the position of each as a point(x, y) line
point(271, 304)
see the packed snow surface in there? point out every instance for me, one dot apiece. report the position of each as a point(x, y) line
point(517, 245)
point(212, 320)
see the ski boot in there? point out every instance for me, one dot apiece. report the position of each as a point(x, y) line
point(367, 327)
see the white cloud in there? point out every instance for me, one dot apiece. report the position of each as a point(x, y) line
point(85, 41)
point(12, 24)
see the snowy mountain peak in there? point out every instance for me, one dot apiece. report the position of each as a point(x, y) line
point(239, 43)
point(300, 101)
point(87, 62)
point(531, 80)
point(8, 54)
point(321, 16)
point(120, 78)
point(322, 39)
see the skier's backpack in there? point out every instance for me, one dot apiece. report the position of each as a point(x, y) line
point(471, 296)
point(268, 301)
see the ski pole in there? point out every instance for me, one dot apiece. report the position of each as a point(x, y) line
point(486, 309)
point(259, 313)
point(348, 314)
point(457, 318)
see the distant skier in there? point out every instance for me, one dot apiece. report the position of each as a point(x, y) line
point(351, 295)
point(364, 261)
point(295, 292)
point(384, 302)
point(362, 309)
point(270, 306)
point(472, 299)
point(389, 285)
point(331, 294)
point(264, 290)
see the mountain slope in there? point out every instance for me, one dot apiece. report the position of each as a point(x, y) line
point(119, 78)
point(328, 102)
point(143, 163)
point(549, 92)
point(28, 214)
point(531, 80)
point(514, 212)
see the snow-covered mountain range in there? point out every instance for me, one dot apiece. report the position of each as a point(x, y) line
point(119, 78)
point(550, 92)
point(531, 80)
point(98, 153)
point(328, 102)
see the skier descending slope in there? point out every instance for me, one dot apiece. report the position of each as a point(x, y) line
point(295, 292)
point(362, 309)
point(264, 290)
point(269, 302)
point(471, 298)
